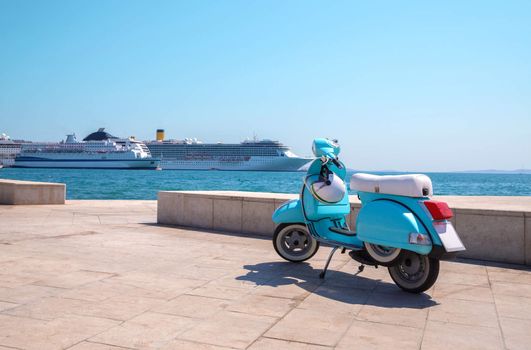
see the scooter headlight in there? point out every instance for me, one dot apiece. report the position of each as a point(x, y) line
point(324, 147)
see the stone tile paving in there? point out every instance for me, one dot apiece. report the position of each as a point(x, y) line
point(101, 275)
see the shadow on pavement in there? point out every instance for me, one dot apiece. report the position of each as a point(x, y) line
point(340, 286)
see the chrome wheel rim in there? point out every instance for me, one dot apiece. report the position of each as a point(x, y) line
point(296, 242)
point(412, 268)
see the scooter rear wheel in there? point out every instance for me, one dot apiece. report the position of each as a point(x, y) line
point(415, 273)
point(294, 243)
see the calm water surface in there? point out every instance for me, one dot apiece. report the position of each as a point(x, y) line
point(144, 184)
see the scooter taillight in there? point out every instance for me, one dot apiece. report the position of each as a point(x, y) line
point(438, 210)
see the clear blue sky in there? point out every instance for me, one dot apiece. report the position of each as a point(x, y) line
point(406, 85)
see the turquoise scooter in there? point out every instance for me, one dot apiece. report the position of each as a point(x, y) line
point(398, 226)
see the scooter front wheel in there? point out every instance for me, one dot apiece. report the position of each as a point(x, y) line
point(294, 243)
point(415, 273)
point(385, 256)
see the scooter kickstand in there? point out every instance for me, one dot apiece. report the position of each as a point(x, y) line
point(323, 273)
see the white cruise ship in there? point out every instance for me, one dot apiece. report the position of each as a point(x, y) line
point(98, 150)
point(9, 149)
point(190, 154)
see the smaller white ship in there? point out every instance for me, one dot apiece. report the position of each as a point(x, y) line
point(99, 150)
point(9, 149)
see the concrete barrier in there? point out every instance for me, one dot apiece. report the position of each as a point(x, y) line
point(16, 192)
point(492, 228)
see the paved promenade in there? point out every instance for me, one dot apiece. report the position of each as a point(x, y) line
point(101, 275)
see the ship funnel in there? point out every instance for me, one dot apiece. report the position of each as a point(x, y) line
point(160, 135)
point(71, 138)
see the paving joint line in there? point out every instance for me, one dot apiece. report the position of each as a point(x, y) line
point(425, 323)
point(496, 309)
point(297, 341)
point(354, 319)
point(10, 347)
point(298, 302)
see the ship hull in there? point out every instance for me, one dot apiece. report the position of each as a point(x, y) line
point(252, 164)
point(24, 162)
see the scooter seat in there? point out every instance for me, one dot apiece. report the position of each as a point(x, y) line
point(414, 185)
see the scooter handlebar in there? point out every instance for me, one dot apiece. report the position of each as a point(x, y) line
point(337, 163)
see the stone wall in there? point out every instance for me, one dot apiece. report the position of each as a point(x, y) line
point(492, 228)
point(16, 192)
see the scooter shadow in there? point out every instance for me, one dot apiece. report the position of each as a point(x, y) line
point(337, 285)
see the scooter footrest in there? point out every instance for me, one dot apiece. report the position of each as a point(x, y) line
point(343, 231)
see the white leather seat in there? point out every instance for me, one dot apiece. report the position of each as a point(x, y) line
point(414, 185)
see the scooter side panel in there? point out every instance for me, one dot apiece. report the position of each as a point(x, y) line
point(389, 224)
point(289, 212)
point(414, 204)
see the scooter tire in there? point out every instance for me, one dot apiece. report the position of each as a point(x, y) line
point(374, 252)
point(425, 282)
point(283, 251)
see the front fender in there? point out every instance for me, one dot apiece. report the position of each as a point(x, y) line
point(388, 223)
point(289, 212)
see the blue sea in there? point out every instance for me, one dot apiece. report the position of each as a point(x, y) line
point(144, 184)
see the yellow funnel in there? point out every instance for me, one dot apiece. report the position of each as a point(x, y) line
point(160, 134)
